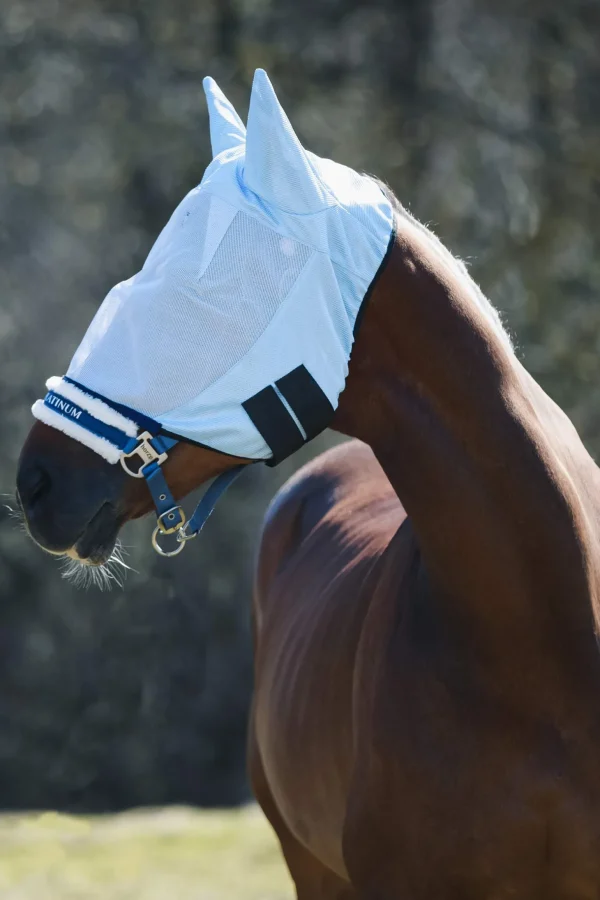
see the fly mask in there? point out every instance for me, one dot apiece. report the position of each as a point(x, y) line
point(237, 332)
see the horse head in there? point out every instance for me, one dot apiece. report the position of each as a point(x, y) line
point(74, 502)
point(230, 346)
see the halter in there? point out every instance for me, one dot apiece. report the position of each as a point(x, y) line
point(287, 414)
point(151, 449)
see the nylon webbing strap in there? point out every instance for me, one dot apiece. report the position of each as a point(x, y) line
point(275, 424)
point(310, 404)
point(273, 420)
point(209, 500)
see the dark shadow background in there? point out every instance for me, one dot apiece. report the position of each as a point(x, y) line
point(483, 117)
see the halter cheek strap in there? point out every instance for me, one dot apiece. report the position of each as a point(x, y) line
point(170, 517)
point(287, 414)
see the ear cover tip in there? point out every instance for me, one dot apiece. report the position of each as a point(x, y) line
point(261, 77)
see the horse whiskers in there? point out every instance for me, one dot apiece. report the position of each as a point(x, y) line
point(84, 575)
point(78, 572)
point(16, 514)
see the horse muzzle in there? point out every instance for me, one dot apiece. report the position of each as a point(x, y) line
point(68, 508)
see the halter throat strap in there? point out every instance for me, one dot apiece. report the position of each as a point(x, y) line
point(170, 517)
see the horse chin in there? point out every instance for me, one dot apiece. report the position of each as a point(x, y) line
point(96, 559)
point(95, 563)
point(98, 556)
point(96, 544)
point(104, 574)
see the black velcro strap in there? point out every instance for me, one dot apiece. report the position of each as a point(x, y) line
point(275, 424)
point(307, 399)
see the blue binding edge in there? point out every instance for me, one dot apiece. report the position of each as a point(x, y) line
point(146, 423)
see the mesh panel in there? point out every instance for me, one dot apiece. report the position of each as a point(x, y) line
point(168, 334)
point(249, 277)
point(200, 328)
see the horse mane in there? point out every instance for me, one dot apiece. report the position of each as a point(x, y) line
point(456, 264)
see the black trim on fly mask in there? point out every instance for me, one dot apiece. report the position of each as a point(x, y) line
point(310, 404)
point(378, 273)
point(273, 420)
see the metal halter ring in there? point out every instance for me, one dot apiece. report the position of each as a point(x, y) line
point(170, 522)
point(146, 452)
point(178, 548)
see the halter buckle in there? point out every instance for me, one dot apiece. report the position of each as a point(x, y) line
point(171, 521)
point(146, 452)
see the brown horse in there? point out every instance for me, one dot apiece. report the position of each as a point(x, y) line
point(426, 717)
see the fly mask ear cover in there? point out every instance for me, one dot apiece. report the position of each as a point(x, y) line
point(237, 331)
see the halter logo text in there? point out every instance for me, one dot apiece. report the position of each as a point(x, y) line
point(66, 408)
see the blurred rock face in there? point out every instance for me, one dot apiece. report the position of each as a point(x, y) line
point(480, 115)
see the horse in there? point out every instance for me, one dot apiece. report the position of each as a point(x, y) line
point(425, 721)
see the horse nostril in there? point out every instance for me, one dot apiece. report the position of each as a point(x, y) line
point(32, 483)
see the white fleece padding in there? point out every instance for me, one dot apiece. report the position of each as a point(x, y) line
point(93, 405)
point(107, 450)
point(262, 268)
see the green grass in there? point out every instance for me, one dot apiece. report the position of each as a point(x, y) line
point(170, 854)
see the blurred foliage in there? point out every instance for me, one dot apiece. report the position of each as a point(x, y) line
point(482, 117)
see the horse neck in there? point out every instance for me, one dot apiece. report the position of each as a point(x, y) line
point(491, 472)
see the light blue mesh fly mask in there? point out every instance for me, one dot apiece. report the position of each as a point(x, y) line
point(236, 334)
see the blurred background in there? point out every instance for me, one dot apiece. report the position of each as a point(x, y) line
point(483, 117)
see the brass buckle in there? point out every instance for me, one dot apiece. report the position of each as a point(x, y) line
point(146, 452)
point(166, 523)
point(171, 521)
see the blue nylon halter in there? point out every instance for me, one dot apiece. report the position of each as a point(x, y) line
point(152, 449)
